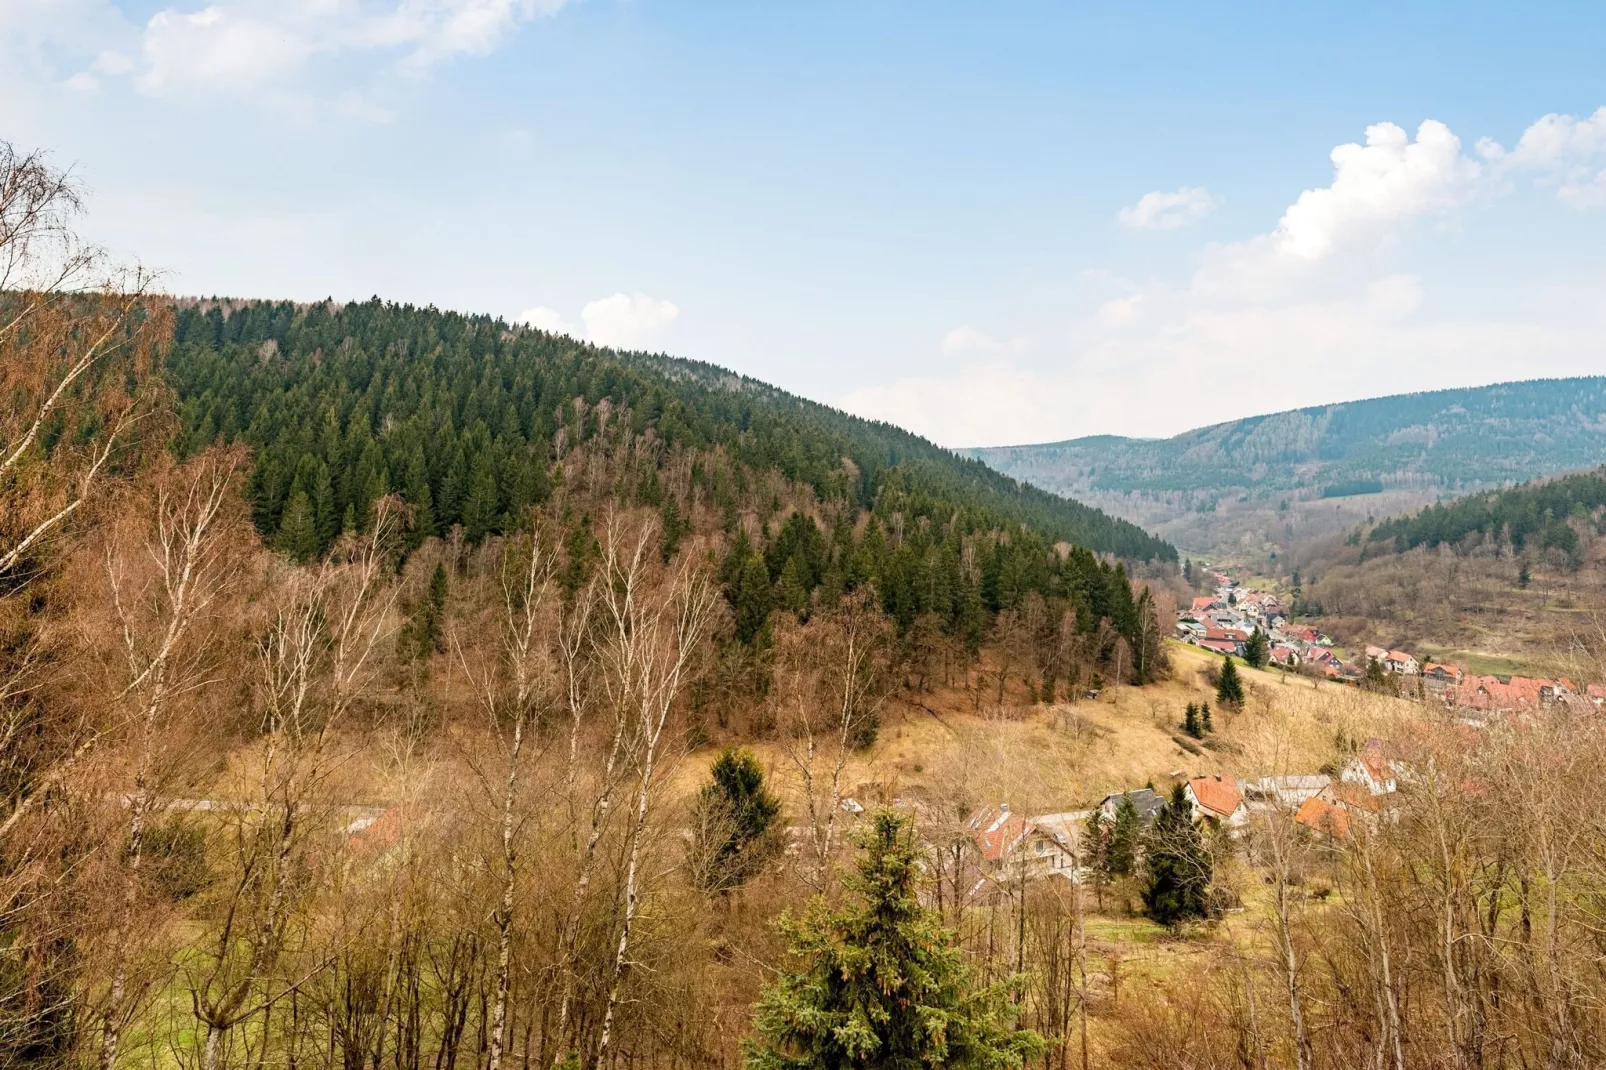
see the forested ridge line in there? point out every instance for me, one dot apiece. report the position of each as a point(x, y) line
point(1461, 439)
point(453, 411)
point(1517, 514)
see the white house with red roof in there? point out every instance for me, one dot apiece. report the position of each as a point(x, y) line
point(1217, 799)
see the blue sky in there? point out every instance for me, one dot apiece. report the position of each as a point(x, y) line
point(989, 222)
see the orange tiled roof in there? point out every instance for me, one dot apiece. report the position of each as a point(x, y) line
point(1217, 794)
point(1324, 817)
point(998, 832)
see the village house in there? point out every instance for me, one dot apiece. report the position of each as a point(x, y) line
point(1371, 769)
point(1436, 673)
point(1015, 848)
point(1398, 661)
point(1146, 801)
point(1285, 655)
point(1287, 791)
point(1324, 818)
point(1217, 799)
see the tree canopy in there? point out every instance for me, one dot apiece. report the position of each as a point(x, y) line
point(881, 982)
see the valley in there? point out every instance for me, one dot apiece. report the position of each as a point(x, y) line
point(395, 688)
point(1274, 481)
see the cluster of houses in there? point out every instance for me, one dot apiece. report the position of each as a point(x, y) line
point(1014, 847)
point(1225, 621)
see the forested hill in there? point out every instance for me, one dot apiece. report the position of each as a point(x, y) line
point(1445, 439)
point(1543, 516)
point(464, 415)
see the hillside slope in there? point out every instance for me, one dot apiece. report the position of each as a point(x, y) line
point(1493, 579)
point(1221, 484)
point(278, 376)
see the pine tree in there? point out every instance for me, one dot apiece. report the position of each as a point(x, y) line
point(753, 601)
point(479, 513)
point(1125, 835)
point(1257, 651)
point(882, 982)
point(789, 591)
point(671, 527)
point(736, 814)
point(1204, 717)
point(1522, 577)
point(423, 636)
point(1230, 687)
point(298, 529)
point(1096, 857)
point(1177, 866)
point(1190, 721)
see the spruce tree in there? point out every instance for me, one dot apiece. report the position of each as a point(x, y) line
point(1095, 857)
point(790, 593)
point(479, 514)
point(1257, 651)
point(1177, 866)
point(881, 982)
point(671, 527)
point(736, 813)
point(298, 529)
point(1125, 835)
point(1230, 686)
point(753, 601)
point(424, 634)
point(1204, 717)
point(1190, 721)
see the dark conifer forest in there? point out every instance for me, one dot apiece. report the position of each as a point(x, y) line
point(472, 422)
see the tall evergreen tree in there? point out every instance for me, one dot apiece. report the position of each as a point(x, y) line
point(671, 527)
point(882, 983)
point(1229, 685)
point(424, 635)
point(1190, 721)
point(1126, 832)
point(298, 530)
point(753, 600)
point(1257, 652)
point(1177, 865)
point(736, 815)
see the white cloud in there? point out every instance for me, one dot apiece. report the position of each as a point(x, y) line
point(546, 319)
point(626, 321)
point(1389, 180)
point(633, 321)
point(246, 46)
point(1560, 151)
point(219, 47)
point(971, 408)
point(1588, 193)
point(966, 339)
point(1168, 211)
point(1325, 306)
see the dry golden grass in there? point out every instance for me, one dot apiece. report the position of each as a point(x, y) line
point(1069, 755)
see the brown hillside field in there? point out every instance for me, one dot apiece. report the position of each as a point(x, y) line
point(1067, 756)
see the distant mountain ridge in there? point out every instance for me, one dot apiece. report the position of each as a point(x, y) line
point(1414, 447)
point(1452, 439)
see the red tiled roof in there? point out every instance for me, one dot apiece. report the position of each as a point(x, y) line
point(1324, 817)
point(997, 832)
point(1217, 794)
point(1220, 646)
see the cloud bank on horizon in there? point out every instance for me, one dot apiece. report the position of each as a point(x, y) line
point(1319, 296)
